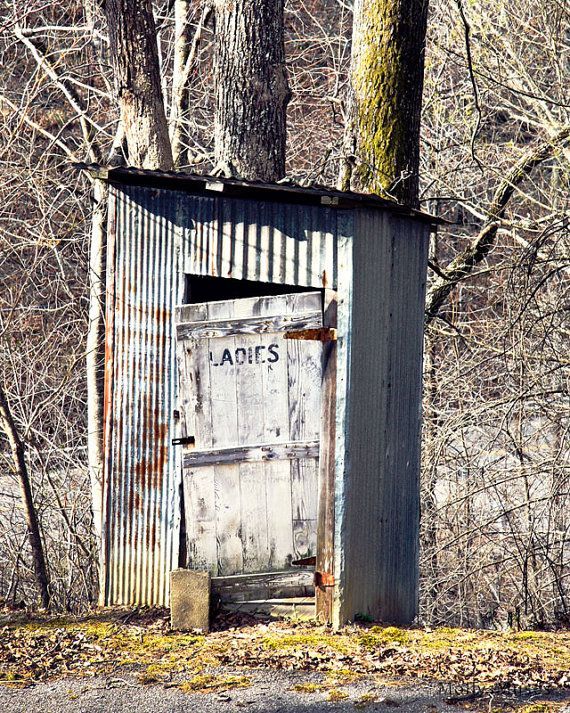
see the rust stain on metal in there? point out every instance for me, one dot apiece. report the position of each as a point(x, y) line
point(324, 334)
point(137, 502)
point(161, 315)
point(324, 279)
point(324, 579)
point(161, 452)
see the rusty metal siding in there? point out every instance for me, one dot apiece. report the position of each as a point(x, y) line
point(155, 236)
point(376, 260)
point(140, 525)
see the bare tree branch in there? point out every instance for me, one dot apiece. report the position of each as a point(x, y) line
point(462, 265)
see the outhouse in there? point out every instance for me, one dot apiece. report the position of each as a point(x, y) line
point(262, 391)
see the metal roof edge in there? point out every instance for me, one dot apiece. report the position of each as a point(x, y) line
point(230, 187)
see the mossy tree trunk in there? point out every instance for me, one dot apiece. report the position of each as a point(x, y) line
point(252, 90)
point(387, 69)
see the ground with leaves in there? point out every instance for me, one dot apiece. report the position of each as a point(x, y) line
point(524, 671)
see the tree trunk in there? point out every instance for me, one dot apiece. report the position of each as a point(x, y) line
point(179, 105)
point(134, 53)
point(95, 350)
point(21, 470)
point(252, 91)
point(387, 69)
point(183, 63)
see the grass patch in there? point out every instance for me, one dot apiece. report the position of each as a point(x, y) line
point(307, 687)
point(335, 694)
point(343, 676)
point(319, 638)
point(209, 683)
point(46, 648)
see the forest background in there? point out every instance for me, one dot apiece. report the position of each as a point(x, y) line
point(494, 161)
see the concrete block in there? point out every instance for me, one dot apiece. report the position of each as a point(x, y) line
point(189, 600)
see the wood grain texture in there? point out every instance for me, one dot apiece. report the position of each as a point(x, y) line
point(200, 503)
point(250, 325)
point(325, 517)
point(295, 304)
point(251, 454)
point(230, 556)
point(304, 367)
point(265, 585)
point(255, 399)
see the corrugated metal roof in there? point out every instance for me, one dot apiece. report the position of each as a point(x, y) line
point(231, 187)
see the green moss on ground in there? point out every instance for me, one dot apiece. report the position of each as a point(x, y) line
point(209, 683)
point(45, 648)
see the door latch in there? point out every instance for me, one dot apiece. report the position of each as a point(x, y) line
point(184, 441)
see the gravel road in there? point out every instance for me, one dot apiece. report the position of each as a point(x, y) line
point(270, 692)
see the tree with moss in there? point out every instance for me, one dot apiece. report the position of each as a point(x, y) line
point(387, 69)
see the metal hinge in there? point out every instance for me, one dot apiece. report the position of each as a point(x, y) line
point(324, 334)
point(324, 579)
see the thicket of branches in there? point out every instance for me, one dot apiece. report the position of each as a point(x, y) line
point(495, 160)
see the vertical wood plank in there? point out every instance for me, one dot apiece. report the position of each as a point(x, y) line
point(249, 389)
point(274, 381)
point(225, 432)
point(304, 370)
point(254, 524)
point(199, 498)
point(278, 474)
point(325, 517)
point(229, 549)
point(279, 515)
point(199, 485)
point(304, 473)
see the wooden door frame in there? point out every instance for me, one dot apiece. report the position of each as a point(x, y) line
point(294, 326)
point(324, 569)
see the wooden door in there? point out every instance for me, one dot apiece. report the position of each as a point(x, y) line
point(250, 398)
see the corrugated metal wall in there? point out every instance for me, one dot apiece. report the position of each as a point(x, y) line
point(155, 236)
point(255, 240)
point(382, 281)
point(139, 520)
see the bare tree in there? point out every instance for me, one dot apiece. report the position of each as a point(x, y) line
point(21, 470)
point(496, 470)
point(494, 160)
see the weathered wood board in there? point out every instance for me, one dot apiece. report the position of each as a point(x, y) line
point(250, 397)
point(267, 585)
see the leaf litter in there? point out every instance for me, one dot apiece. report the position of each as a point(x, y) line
point(108, 642)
